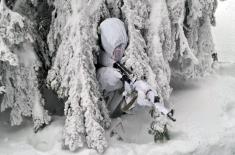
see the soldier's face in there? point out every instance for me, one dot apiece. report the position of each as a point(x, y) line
point(118, 53)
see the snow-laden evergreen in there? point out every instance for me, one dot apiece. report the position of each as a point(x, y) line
point(73, 74)
point(38, 46)
point(159, 47)
point(192, 36)
point(19, 67)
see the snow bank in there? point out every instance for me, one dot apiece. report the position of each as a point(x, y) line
point(205, 125)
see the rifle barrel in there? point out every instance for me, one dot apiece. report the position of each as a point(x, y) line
point(122, 67)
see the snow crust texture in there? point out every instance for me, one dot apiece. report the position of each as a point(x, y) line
point(168, 39)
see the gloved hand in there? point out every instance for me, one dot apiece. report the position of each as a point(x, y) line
point(146, 93)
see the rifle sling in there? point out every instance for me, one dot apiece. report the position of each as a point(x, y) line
point(127, 107)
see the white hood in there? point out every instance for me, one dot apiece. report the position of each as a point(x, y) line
point(113, 34)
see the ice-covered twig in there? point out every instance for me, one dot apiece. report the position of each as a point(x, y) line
point(2, 90)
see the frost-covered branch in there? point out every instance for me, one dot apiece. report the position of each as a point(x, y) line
point(188, 18)
point(160, 48)
point(19, 67)
point(73, 74)
point(7, 55)
point(14, 28)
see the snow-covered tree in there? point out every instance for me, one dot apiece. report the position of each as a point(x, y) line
point(73, 74)
point(192, 36)
point(160, 50)
point(56, 43)
point(19, 67)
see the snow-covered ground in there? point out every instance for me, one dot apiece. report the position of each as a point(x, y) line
point(205, 113)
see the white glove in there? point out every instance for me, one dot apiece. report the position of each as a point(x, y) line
point(142, 100)
point(146, 96)
point(145, 93)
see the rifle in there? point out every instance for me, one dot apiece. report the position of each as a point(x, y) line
point(126, 74)
point(129, 77)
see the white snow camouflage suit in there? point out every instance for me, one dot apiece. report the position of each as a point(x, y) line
point(114, 41)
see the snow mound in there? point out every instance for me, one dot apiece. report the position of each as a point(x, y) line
point(205, 125)
point(46, 139)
